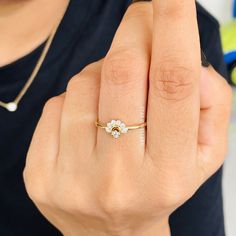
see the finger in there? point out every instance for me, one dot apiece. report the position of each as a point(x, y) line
point(124, 81)
point(216, 97)
point(175, 33)
point(46, 135)
point(78, 132)
point(173, 109)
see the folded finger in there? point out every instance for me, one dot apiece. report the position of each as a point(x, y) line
point(216, 100)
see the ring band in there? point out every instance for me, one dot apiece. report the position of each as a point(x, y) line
point(117, 127)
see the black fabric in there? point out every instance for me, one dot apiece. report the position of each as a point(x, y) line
point(84, 36)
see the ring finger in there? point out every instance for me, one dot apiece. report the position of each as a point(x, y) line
point(124, 82)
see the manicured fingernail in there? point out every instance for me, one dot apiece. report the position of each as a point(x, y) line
point(205, 62)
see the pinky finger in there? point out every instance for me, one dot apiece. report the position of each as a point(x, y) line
point(45, 143)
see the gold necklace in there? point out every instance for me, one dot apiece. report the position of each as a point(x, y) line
point(13, 105)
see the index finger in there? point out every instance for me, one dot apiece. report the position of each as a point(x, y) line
point(173, 104)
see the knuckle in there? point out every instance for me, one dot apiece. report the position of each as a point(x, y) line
point(174, 198)
point(74, 83)
point(116, 204)
point(69, 201)
point(52, 104)
point(75, 205)
point(87, 79)
point(122, 68)
point(93, 68)
point(139, 9)
point(172, 83)
point(75, 202)
point(34, 188)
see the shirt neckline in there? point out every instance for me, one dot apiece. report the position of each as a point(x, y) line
point(72, 24)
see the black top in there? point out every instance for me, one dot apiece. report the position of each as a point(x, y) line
point(84, 36)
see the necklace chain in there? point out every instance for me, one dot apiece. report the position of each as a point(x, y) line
point(12, 106)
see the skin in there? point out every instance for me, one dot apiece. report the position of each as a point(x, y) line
point(19, 20)
point(87, 183)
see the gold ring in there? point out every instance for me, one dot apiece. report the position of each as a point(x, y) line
point(117, 127)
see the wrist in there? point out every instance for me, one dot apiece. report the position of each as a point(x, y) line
point(156, 228)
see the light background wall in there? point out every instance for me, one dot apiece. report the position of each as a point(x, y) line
point(222, 10)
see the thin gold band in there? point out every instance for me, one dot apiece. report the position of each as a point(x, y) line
point(104, 126)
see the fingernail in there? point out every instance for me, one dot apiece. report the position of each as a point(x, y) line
point(205, 62)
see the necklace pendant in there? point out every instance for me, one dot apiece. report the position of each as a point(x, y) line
point(11, 106)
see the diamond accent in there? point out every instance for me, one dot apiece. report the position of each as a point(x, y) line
point(116, 128)
point(115, 134)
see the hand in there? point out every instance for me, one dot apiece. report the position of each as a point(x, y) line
point(88, 183)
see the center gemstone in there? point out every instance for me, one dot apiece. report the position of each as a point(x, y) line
point(116, 128)
point(116, 132)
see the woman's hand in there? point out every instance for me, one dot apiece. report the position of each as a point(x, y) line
point(88, 183)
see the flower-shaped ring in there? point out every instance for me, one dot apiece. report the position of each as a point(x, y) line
point(117, 127)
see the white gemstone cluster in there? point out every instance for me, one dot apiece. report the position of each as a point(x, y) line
point(116, 128)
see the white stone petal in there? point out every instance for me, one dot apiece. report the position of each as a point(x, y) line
point(113, 122)
point(118, 122)
point(115, 134)
point(124, 130)
point(109, 125)
point(122, 125)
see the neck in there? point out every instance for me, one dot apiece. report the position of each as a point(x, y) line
point(25, 24)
